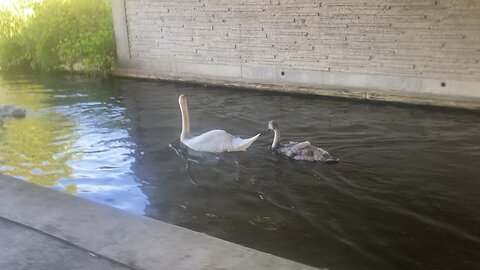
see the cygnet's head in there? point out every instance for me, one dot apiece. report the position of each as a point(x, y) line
point(182, 100)
point(272, 125)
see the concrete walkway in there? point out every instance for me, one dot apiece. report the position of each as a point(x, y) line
point(23, 248)
point(46, 229)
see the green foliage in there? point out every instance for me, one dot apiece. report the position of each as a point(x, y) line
point(14, 52)
point(59, 34)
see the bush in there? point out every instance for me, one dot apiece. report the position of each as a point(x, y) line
point(14, 52)
point(57, 34)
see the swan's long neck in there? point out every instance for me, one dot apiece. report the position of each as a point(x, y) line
point(276, 138)
point(185, 121)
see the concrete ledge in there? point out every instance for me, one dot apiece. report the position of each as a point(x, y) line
point(421, 98)
point(135, 241)
point(24, 248)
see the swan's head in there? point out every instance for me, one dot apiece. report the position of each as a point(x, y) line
point(272, 125)
point(182, 100)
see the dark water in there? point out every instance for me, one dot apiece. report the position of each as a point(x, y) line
point(406, 194)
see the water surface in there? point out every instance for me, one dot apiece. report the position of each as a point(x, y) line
point(406, 194)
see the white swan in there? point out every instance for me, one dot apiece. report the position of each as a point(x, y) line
point(213, 141)
point(298, 150)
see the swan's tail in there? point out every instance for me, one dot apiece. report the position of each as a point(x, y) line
point(243, 144)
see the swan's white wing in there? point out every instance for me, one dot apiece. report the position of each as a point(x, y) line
point(219, 141)
point(242, 144)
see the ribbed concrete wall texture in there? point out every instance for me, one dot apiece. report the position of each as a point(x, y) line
point(418, 46)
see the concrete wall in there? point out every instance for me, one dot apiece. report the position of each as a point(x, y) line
point(404, 46)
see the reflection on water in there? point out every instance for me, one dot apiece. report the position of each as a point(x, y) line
point(406, 194)
point(73, 139)
point(30, 148)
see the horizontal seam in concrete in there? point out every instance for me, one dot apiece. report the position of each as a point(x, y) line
point(425, 99)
